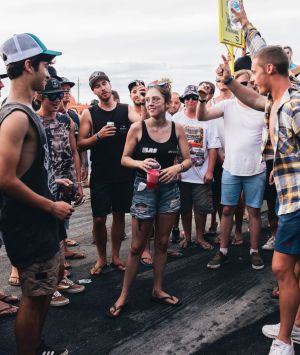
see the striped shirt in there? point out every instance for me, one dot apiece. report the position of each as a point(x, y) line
point(286, 152)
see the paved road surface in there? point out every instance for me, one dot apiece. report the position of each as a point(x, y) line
point(222, 311)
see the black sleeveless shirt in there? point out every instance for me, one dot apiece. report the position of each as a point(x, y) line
point(30, 234)
point(163, 153)
point(107, 153)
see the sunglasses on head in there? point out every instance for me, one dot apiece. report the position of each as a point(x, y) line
point(193, 97)
point(153, 85)
point(54, 96)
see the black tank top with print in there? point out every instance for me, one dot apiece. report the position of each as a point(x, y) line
point(163, 153)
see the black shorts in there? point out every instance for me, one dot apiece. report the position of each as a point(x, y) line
point(217, 185)
point(107, 197)
point(270, 193)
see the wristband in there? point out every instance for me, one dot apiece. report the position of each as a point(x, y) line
point(202, 100)
point(229, 80)
point(97, 137)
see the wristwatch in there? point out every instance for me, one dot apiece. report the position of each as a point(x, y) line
point(202, 100)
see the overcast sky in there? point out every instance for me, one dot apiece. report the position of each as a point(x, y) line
point(145, 39)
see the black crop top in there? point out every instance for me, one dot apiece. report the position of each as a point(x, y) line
point(163, 153)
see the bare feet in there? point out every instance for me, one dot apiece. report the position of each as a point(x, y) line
point(117, 263)
point(146, 259)
point(165, 298)
point(14, 277)
point(238, 239)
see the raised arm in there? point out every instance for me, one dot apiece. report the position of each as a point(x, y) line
point(254, 41)
point(203, 112)
point(246, 95)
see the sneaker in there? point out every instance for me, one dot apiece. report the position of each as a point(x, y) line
point(44, 349)
point(58, 300)
point(68, 286)
point(280, 348)
point(269, 244)
point(272, 331)
point(218, 260)
point(175, 238)
point(256, 261)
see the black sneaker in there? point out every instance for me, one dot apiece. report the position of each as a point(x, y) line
point(44, 349)
point(175, 235)
point(256, 261)
point(217, 261)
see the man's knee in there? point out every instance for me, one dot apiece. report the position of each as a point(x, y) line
point(136, 249)
point(228, 211)
point(253, 212)
point(99, 221)
point(161, 246)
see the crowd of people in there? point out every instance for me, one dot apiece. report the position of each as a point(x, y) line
point(163, 158)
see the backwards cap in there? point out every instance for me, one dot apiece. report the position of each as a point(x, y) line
point(23, 46)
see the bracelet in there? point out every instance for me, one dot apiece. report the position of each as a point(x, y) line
point(228, 81)
point(202, 100)
point(182, 167)
point(97, 137)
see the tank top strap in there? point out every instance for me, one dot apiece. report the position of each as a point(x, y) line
point(173, 133)
point(145, 134)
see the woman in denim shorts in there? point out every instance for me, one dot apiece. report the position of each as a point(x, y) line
point(153, 144)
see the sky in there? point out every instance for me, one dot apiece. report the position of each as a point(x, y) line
point(147, 40)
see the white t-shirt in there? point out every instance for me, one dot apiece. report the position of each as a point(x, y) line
point(201, 137)
point(243, 137)
point(168, 116)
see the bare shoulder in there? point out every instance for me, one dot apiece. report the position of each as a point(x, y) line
point(86, 115)
point(136, 126)
point(16, 120)
point(179, 129)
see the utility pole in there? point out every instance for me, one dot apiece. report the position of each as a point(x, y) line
point(78, 90)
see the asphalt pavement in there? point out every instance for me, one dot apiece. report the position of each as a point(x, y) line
point(222, 310)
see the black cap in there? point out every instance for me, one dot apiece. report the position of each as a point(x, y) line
point(134, 83)
point(53, 73)
point(97, 75)
point(3, 76)
point(52, 86)
point(64, 80)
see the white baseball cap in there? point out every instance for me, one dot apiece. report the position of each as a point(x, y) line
point(23, 46)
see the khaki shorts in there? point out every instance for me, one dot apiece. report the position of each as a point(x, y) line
point(41, 279)
point(196, 196)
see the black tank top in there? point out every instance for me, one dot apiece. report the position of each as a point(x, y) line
point(107, 153)
point(30, 234)
point(163, 153)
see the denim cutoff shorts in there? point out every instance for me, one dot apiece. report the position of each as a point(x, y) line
point(252, 186)
point(148, 203)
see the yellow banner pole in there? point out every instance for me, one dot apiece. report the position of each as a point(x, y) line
point(231, 57)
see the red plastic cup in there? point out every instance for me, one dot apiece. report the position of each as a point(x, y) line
point(152, 178)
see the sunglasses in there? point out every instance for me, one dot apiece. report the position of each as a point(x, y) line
point(54, 96)
point(193, 97)
point(161, 85)
point(245, 83)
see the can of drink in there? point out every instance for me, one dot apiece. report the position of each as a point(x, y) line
point(109, 123)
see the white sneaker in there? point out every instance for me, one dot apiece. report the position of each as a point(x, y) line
point(58, 300)
point(280, 348)
point(272, 331)
point(269, 244)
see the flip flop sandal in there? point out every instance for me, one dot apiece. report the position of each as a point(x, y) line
point(275, 292)
point(97, 271)
point(174, 254)
point(75, 256)
point(163, 300)
point(7, 310)
point(110, 314)
point(237, 242)
point(119, 267)
point(204, 245)
point(14, 283)
point(8, 298)
point(146, 264)
point(71, 243)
